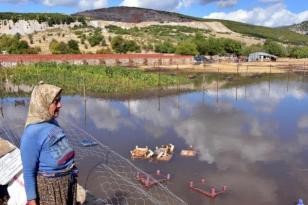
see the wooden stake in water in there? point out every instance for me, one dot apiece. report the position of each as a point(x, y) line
point(217, 86)
point(288, 80)
point(84, 90)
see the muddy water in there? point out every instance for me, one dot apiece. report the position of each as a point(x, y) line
point(253, 138)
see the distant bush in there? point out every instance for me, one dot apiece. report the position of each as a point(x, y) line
point(299, 52)
point(73, 46)
point(120, 45)
point(275, 48)
point(214, 46)
point(56, 47)
point(186, 48)
point(252, 49)
point(96, 38)
point(201, 43)
point(50, 18)
point(13, 45)
point(165, 47)
point(231, 46)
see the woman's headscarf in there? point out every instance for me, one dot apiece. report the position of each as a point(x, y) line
point(41, 98)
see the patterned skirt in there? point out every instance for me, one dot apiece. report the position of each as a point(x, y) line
point(57, 190)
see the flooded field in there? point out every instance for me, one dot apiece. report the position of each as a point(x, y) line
point(251, 138)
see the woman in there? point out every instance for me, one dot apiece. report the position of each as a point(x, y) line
point(47, 157)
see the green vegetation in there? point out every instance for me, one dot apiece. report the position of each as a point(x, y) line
point(96, 38)
point(13, 45)
point(282, 35)
point(56, 47)
point(217, 46)
point(186, 48)
point(299, 52)
point(275, 48)
point(252, 49)
point(51, 18)
point(163, 32)
point(98, 80)
point(165, 47)
point(120, 45)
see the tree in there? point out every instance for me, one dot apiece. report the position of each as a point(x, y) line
point(201, 44)
point(58, 48)
point(298, 52)
point(274, 48)
point(117, 44)
point(232, 46)
point(214, 46)
point(96, 38)
point(120, 45)
point(165, 47)
point(73, 46)
point(252, 49)
point(186, 48)
point(13, 45)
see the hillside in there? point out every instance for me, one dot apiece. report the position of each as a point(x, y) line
point(144, 30)
point(301, 28)
point(139, 15)
point(282, 35)
point(135, 15)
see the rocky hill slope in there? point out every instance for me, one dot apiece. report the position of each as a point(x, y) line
point(142, 15)
point(301, 28)
point(135, 15)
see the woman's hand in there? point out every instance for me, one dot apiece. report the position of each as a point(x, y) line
point(31, 202)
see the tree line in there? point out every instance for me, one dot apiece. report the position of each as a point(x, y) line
point(50, 18)
point(196, 45)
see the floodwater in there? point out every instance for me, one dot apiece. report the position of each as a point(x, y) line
point(253, 139)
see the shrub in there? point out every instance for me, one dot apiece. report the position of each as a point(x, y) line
point(214, 46)
point(232, 46)
point(186, 48)
point(13, 45)
point(73, 46)
point(165, 47)
point(274, 48)
point(120, 45)
point(56, 47)
point(252, 49)
point(298, 52)
point(96, 38)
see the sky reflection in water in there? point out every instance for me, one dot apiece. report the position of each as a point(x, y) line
point(252, 139)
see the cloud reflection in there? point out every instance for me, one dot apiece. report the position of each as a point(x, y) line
point(263, 96)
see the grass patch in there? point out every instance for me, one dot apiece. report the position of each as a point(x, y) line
point(96, 79)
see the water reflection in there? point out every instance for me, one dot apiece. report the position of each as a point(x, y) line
point(252, 138)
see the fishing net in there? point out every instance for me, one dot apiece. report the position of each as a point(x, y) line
point(104, 173)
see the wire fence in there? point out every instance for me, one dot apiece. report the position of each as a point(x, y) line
point(105, 173)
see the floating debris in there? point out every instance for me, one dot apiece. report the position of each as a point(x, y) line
point(88, 143)
point(141, 153)
point(147, 181)
point(190, 152)
point(164, 152)
point(211, 194)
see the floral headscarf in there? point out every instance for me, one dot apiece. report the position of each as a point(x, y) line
point(41, 98)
